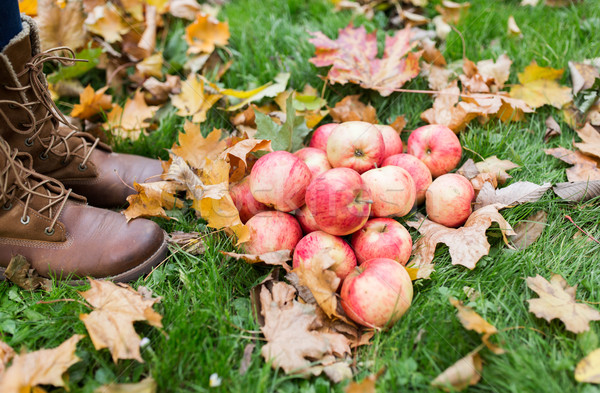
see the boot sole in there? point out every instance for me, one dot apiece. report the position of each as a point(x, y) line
point(127, 276)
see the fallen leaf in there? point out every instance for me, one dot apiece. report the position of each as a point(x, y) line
point(60, 26)
point(20, 273)
point(274, 258)
point(288, 136)
point(431, 54)
point(529, 230)
point(584, 168)
point(246, 358)
point(438, 77)
point(338, 371)
point(185, 9)
point(472, 81)
point(110, 324)
point(468, 169)
point(473, 321)
point(196, 149)
point(495, 73)
point(496, 166)
point(367, 385)
point(552, 129)
point(106, 21)
point(28, 7)
point(465, 372)
point(442, 29)
point(160, 91)
point(446, 110)
point(307, 103)
point(91, 103)
point(190, 242)
point(131, 120)
point(579, 191)
point(467, 244)
point(515, 194)
point(591, 141)
point(146, 385)
point(238, 153)
point(452, 11)
point(194, 100)
point(205, 33)
point(353, 57)
point(539, 86)
point(513, 28)
point(43, 367)
point(350, 108)
point(557, 300)
point(583, 76)
point(270, 89)
point(151, 66)
point(588, 368)
point(151, 200)
point(147, 42)
point(6, 355)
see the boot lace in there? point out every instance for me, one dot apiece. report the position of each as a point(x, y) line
point(27, 184)
point(38, 85)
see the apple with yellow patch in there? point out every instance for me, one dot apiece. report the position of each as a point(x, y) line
point(320, 244)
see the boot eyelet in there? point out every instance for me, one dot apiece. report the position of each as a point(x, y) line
point(64, 162)
point(82, 168)
point(43, 156)
point(49, 231)
point(26, 221)
point(12, 106)
point(7, 206)
point(28, 142)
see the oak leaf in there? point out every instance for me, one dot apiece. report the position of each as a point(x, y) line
point(116, 308)
point(43, 367)
point(557, 300)
point(539, 86)
point(196, 149)
point(205, 33)
point(353, 57)
point(588, 368)
point(467, 244)
point(528, 230)
point(584, 167)
point(60, 26)
point(350, 108)
point(107, 22)
point(132, 119)
point(194, 100)
point(463, 373)
point(146, 385)
point(91, 103)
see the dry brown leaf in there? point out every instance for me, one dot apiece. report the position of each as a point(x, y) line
point(274, 258)
point(131, 120)
point(205, 33)
point(60, 26)
point(496, 166)
point(20, 273)
point(194, 100)
point(552, 129)
point(431, 54)
point(438, 77)
point(106, 21)
point(116, 308)
point(452, 11)
point(351, 109)
point(91, 103)
point(238, 153)
point(495, 73)
point(43, 367)
point(322, 282)
point(539, 86)
point(185, 9)
point(481, 179)
point(196, 149)
point(588, 368)
point(557, 300)
point(150, 66)
point(446, 110)
point(591, 141)
point(513, 29)
point(583, 76)
point(579, 191)
point(473, 321)
point(464, 373)
point(367, 385)
point(146, 385)
point(515, 194)
point(528, 230)
point(399, 123)
point(246, 358)
point(160, 91)
point(468, 169)
point(6, 354)
point(152, 198)
point(467, 244)
point(190, 242)
point(584, 167)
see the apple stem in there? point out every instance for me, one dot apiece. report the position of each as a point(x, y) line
point(369, 201)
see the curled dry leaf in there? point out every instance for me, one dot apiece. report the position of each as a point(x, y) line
point(146, 385)
point(60, 26)
point(194, 100)
point(20, 273)
point(552, 129)
point(159, 92)
point(116, 308)
point(528, 230)
point(583, 76)
point(152, 198)
point(579, 191)
point(557, 300)
point(496, 166)
point(591, 141)
point(350, 108)
point(539, 86)
point(584, 167)
point(464, 373)
point(238, 154)
point(43, 367)
point(190, 242)
point(131, 120)
point(275, 258)
point(515, 194)
point(106, 21)
point(467, 244)
point(473, 321)
point(205, 33)
point(92, 103)
point(513, 29)
point(588, 368)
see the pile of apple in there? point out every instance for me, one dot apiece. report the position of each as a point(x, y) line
point(351, 180)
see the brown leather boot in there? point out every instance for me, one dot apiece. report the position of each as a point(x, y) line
point(29, 121)
point(63, 237)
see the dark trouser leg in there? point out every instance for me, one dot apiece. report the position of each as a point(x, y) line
point(10, 21)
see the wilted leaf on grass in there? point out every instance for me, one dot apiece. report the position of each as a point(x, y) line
point(463, 373)
point(583, 76)
point(353, 56)
point(130, 121)
point(584, 167)
point(588, 368)
point(496, 166)
point(528, 230)
point(486, 76)
point(467, 244)
point(288, 136)
point(43, 367)
point(190, 242)
point(205, 33)
point(473, 321)
point(110, 324)
point(196, 149)
point(276, 258)
point(350, 108)
point(271, 89)
point(6, 354)
point(159, 92)
point(185, 9)
point(557, 300)
point(152, 198)
point(539, 86)
point(514, 194)
point(552, 129)
point(105, 20)
point(146, 385)
point(60, 26)
point(513, 29)
point(20, 273)
point(246, 358)
point(367, 385)
point(591, 141)
point(580, 191)
point(194, 100)
point(91, 103)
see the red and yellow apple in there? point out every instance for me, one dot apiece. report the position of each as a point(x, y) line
point(437, 146)
point(320, 244)
point(315, 159)
point(279, 179)
point(272, 231)
point(320, 136)
point(392, 189)
point(377, 293)
point(339, 201)
point(382, 238)
point(448, 200)
point(306, 220)
point(244, 201)
point(391, 140)
point(417, 169)
point(356, 145)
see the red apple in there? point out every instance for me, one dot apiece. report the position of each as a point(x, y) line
point(320, 136)
point(377, 293)
point(382, 238)
point(315, 159)
point(272, 231)
point(318, 244)
point(306, 220)
point(279, 179)
point(357, 145)
point(437, 146)
point(339, 201)
point(392, 189)
point(244, 201)
point(417, 169)
point(391, 140)
point(448, 200)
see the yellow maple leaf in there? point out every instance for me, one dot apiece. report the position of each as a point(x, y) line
point(588, 368)
point(193, 100)
point(152, 199)
point(130, 121)
point(205, 33)
point(91, 103)
point(28, 7)
point(539, 86)
point(60, 26)
point(151, 66)
point(106, 21)
point(195, 149)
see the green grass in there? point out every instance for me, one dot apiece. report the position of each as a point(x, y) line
point(206, 307)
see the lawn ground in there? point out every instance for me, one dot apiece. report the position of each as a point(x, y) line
point(205, 303)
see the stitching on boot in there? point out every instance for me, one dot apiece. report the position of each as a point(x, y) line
point(39, 243)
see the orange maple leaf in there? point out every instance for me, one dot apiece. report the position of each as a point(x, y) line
point(91, 103)
point(132, 119)
point(60, 26)
point(205, 33)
